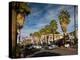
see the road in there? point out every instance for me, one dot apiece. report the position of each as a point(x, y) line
point(60, 51)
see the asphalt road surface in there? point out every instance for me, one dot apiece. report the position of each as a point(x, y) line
point(54, 52)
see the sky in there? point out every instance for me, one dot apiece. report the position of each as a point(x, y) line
point(41, 15)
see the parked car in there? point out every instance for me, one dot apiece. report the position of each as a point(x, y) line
point(37, 46)
point(67, 45)
point(52, 46)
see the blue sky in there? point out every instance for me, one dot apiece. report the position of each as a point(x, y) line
point(42, 14)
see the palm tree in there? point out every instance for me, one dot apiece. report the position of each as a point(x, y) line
point(47, 31)
point(47, 28)
point(64, 21)
point(38, 35)
point(18, 11)
point(43, 31)
point(22, 9)
point(53, 27)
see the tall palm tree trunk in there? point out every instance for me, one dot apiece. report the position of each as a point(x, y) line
point(53, 35)
point(64, 41)
point(19, 35)
point(47, 40)
point(64, 38)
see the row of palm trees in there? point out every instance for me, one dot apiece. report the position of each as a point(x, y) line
point(48, 29)
point(64, 19)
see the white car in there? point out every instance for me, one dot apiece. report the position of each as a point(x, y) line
point(67, 45)
point(52, 47)
point(37, 46)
